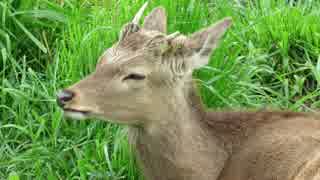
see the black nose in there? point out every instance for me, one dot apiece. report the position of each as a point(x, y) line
point(64, 97)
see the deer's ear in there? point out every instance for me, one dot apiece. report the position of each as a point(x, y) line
point(205, 41)
point(156, 20)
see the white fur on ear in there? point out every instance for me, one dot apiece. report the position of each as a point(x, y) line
point(198, 61)
point(206, 40)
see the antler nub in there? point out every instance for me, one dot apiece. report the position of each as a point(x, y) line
point(173, 35)
point(139, 14)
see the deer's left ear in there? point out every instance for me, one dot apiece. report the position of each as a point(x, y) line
point(156, 20)
point(203, 42)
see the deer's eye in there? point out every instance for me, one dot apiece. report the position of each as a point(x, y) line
point(134, 76)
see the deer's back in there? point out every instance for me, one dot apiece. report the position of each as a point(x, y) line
point(269, 145)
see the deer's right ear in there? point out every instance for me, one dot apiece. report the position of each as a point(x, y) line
point(205, 41)
point(156, 20)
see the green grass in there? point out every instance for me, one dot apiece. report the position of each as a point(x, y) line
point(269, 58)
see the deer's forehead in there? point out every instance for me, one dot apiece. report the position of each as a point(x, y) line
point(133, 47)
point(125, 60)
point(118, 56)
point(138, 41)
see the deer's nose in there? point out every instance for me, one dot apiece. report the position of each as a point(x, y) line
point(63, 97)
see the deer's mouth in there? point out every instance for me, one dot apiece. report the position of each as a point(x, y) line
point(76, 111)
point(76, 114)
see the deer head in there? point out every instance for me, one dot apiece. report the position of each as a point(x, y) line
point(144, 72)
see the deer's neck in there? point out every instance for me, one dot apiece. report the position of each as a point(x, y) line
point(178, 146)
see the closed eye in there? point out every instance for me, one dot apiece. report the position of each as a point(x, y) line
point(134, 76)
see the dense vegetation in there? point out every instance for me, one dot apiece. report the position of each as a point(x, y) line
point(269, 59)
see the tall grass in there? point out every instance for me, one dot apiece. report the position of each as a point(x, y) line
point(269, 58)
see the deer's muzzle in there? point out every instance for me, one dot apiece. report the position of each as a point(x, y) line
point(63, 97)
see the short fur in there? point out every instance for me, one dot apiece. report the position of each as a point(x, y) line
point(145, 81)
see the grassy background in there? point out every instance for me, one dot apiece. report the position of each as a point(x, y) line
point(269, 58)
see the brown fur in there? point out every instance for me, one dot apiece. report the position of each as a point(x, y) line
point(174, 137)
point(261, 145)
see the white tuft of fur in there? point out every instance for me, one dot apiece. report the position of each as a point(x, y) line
point(75, 115)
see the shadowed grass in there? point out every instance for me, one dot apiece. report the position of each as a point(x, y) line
point(269, 58)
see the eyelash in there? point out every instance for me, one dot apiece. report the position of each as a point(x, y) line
point(135, 77)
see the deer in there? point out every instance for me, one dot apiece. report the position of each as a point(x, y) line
point(144, 81)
